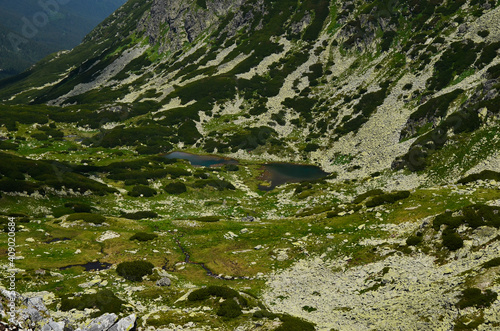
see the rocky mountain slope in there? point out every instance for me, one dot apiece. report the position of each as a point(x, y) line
point(397, 101)
point(31, 30)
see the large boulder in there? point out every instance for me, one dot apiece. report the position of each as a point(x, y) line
point(165, 281)
point(125, 324)
point(102, 323)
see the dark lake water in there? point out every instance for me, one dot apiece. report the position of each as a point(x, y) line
point(91, 266)
point(281, 173)
point(275, 173)
point(201, 160)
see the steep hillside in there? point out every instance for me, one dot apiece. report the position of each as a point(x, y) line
point(31, 30)
point(395, 102)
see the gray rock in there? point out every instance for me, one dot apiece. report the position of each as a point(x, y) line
point(125, 324)
point(102, 323)
point(248, 219)
point(33, 314)
point(36, 303)
point(165, 281)
point(53, 326)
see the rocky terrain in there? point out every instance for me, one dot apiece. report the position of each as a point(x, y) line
point(395, 104)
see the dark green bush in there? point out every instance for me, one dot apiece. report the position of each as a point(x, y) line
point(474, 297)
point(387, 198)
point(175, 188)
point(264, 314)
point(483, 33)
point(479, 215)
point(61, 211)
point(140, 190)
point(208, 219)
point(41, 136)
point(414, 240)
point(188, 132)
point(7, 145)
point(199, 294)
point(140, 215)
point(495, 262)
point(143, 236)
point(218, 184)
point(452, 240)
point(134, 270)
point(217, 291)
point(447, 219)
point(229, 309)
point(231, 167)
point(104, 300)
point(87, 217)
point(362, 197)
point(290, 323)
point(488, 53)
point(78, 207)
point(494, 71)
point(311, 147)
point(483, 175)
point(456, 59)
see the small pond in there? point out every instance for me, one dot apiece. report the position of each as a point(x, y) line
point(201, 160)
point(90, 266)
point(281, 173)
point(274, 173)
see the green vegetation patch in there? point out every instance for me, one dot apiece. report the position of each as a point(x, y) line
point(140, 215)
point(134, 270)
point(86, 217)
point(105, 300)
point(483, 175)
point(144, 236)
point(387, 198)
point(474, 297)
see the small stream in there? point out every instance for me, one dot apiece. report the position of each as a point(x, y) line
point(209, 272)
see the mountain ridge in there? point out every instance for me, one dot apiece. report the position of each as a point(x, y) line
point(396, 101)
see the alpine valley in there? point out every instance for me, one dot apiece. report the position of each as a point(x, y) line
point(336, 166)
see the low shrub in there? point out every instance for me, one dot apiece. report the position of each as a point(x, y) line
point(208, 219)
point(87, 217)
point(495, 262)
point(218, 184)
point(290, 323)
point(105, 300)
point(311, 147)
point(217, 291)
point(143, 236)
point(61, 211)
point(229, 309)
point(175, 188)
point(362, 197)
point(483, 175)
point(140, 215)
point(264, 314)
point(135, 270)
point(231, 167)
point(141, 190)
point(447, 219)
point(474, 297)
point(78, 207)
point(387, 198)
point(452, 240)
point(414, 240)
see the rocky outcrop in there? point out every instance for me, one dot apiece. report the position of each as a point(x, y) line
point(32, 314)
point(172, 23)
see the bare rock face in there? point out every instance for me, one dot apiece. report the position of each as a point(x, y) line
point(172, 23)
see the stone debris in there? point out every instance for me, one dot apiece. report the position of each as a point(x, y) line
point(165, 281)
point(107, 235)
